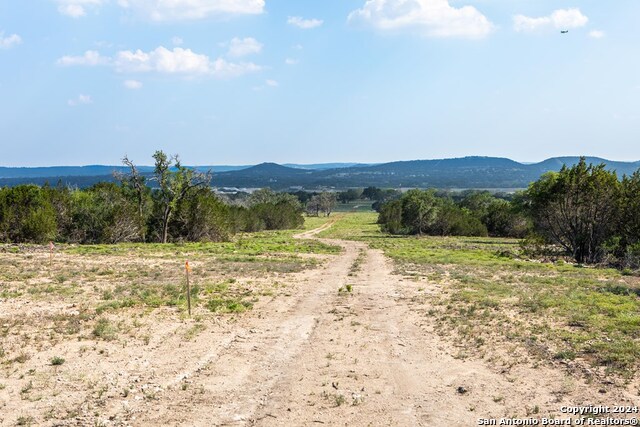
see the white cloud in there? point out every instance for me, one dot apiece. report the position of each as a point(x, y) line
point(162, 60)
point(224, 69)
point(243, 47)
point(596, 34)
point(9, 41)
point(291, 61)
point(434, 18)
point(80, 100)
point(562, 19)
point(173, 10)
point(177, 41)
point(90, 58)
point(132, 84)
point(272, 83)
point(76, 8)
point(177, 61)
point(305, 24)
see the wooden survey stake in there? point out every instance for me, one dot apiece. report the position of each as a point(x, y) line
point(187, 269)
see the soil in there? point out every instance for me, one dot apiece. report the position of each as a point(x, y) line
point(324, 353)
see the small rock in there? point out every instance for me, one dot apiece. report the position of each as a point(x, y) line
point(462, 390)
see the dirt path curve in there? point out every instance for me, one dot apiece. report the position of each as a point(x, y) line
point(365, 357)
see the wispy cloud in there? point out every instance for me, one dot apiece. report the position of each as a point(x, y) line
point(176, 10)
point(9, 41)
point(132, 84)
point(305, 24)
point(177, 61)
point(433, 18)
point(90, 58)
point(291, 61)
point(243, 47)
point(77, 8)
point(80, 100)
point(596, 34)
point(559, 19)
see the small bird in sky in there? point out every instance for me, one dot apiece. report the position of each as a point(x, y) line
point(564, 31)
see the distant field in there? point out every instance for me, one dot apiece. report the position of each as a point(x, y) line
point(490, 293)
point(357, 206)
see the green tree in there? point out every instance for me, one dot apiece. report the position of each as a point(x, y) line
point(419, 211)
point(577, 208)
point(350, 195)
point(328, 202)
point(202, 217)
point(176, 182)
point(390, 217)
point(26, 215)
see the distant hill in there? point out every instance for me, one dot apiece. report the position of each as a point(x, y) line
point(64, 171)
point(466, 172)
point(325, 166)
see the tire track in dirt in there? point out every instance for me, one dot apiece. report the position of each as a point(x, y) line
point(233, 379)
point(363, 358)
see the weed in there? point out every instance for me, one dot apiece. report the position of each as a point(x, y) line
point(57, 361)
point(339, 399)
point(194, 331)
point(27, 388)
point(24, 420)
point(104, 329)
point(565, 355)
point(228, 305)
point(346, 289)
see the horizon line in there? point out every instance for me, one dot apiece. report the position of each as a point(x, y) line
point(331, 162)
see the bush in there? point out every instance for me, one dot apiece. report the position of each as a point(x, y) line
point(26, 215)
point(422, 212)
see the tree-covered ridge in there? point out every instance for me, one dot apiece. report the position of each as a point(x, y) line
point(467, 172)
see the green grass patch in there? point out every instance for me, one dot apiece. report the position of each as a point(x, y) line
point(228, 305)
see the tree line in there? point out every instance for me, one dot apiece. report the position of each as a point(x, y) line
point(585, 210)
point(173, 204)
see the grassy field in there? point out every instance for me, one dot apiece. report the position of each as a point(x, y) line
point(355, 206)
point(491, 293)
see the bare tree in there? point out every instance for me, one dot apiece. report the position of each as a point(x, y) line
point(136, 182)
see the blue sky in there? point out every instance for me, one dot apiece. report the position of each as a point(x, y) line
point(307, 81)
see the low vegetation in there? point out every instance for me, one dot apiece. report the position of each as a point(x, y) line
point(491, 291)
point(99, 306)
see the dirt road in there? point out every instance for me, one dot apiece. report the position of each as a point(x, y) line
point(332, 354)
